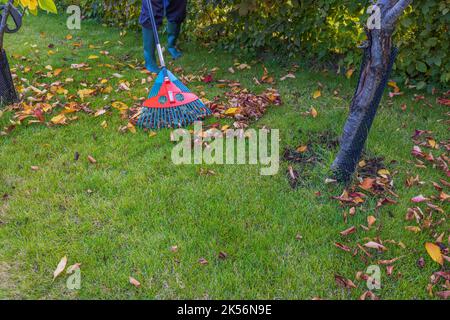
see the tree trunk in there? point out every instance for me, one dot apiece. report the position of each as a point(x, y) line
point(377, 64)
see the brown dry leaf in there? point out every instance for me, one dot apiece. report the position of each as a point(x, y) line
point(342, 246)
point(134, 282)
point(203, 261)
point(435, 252)
point(131, 127)
point(343, 282)
point(34, 168)
point(367, 183)
point(92, 159)
point(375, 245)
point(368, 295)
point(73, 267)
point(223, 255)
point(371, 220)
point(414, 229)
point(443, 294)
point(60, 268)
point(348, 231)
point(174, 248)
point(389, 270)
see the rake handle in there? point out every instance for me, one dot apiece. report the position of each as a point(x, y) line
point(3, 22)
point(156, 36)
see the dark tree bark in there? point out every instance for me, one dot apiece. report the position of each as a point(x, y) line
point(379, 56)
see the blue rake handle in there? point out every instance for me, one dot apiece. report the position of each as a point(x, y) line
point(156, 36)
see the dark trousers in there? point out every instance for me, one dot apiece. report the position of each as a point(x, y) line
point(175, 12)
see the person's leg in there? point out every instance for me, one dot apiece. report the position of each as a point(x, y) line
point(147, 32)
point(176, 13)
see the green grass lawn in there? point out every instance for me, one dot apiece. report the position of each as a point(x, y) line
point(121, 216)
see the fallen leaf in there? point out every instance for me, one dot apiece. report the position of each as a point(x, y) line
point(435, 252)
point(343, 282)
point(348, 231)
point(349, 73)
point(73, 267)
point(371, 220)
point(134, 282)
point(342, 246)
point(443, 294)
point(367, 183)
point(414, 229)
point(375, 245)
point(92, 160)
point(60, 268)
point(317, 94)
point(59, 119)
point(419, 198)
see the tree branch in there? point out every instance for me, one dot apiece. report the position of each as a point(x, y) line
point(393, 14)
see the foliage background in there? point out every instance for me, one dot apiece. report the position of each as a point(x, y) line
point(314, 30)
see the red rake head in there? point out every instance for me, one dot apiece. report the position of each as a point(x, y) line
point(169, 96)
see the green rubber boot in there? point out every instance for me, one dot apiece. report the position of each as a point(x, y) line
point(173, 31)
point(149, 50)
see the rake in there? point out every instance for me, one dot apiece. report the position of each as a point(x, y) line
point(170, 103)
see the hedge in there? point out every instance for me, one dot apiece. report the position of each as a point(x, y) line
point(313, 30)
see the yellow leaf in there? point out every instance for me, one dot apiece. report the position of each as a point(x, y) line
point(435, 252)
point(131, 127)
point(231, 111)
point(317, 94)
point(57, 72)
point(85, 93)
point(314, 112)
point(92, 57)
point(302, 149)
point(104, 124)
point(69, 37)
point(383, 172)
point(59, 119)
point(349, 73)
point(119, 105)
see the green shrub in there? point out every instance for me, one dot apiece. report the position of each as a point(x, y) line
point(315, 30)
